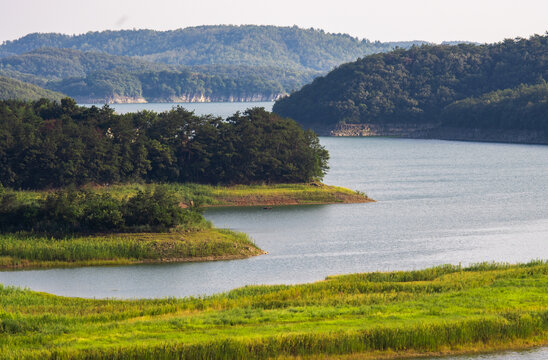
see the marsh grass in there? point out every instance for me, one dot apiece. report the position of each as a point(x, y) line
point(27, 250)
point(447, 308)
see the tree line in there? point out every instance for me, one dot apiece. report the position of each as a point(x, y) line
point(45, 144)
point(249, 45)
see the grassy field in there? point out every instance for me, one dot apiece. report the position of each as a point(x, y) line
point(440, 310)
point(19, 251)
point(238, 195)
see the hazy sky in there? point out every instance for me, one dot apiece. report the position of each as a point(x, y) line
point(432, 20)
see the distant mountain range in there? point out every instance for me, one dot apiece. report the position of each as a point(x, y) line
point(495, 92)
point(205, 63)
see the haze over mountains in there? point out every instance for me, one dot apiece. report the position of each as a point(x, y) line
point(205, 63)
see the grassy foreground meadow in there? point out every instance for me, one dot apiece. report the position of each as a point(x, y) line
point(440, 310)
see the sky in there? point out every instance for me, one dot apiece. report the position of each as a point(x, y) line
point(384, 20)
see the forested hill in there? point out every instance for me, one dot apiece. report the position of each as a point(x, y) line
point(430, 87)
point(205, 63)
point(285, 47)
point(99, 77)
point(14, 89)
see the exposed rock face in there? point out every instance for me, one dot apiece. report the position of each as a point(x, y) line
point(216, 98)
point(433, 131)
point(116, 99)
point(401, 130)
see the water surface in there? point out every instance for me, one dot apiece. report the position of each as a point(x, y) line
point(222, 109)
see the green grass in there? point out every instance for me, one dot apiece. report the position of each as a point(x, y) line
point(237, 195)
point(444, 309)
point(31, 251)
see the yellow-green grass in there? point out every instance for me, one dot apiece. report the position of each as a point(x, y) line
point(440, 310)
point(237, 195)
point(33, 251)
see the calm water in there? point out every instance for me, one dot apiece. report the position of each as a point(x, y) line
point(223, 110)
point(535, 354)
point(438, 202)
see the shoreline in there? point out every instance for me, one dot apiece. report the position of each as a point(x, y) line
point(24, 265)
point(190, 194)
point(477, 349)
point(435, 132)
point(156, 248)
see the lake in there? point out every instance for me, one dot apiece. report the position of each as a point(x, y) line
point(438, 202)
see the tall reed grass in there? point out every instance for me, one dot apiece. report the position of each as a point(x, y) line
point(29, 250)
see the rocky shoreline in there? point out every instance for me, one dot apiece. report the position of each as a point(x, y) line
point(433, 131)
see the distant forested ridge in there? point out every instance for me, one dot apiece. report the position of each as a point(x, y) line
point(287, 47)
point(205, 63)
point(96, 77)
point(424, 89)
point(46, 144)
point(14, 89)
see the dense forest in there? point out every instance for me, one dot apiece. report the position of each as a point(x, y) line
point(521, 108)
point(46, 144)
point(503, 84)
point(206, 63)
point(88, 76)
point(14, 89)
point(285, 47)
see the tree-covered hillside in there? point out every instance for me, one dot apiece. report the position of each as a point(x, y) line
point(422, 84)
point(93, 75)
point(521, 108)
point(205, 63)
point(286, 47)
point(14, 89)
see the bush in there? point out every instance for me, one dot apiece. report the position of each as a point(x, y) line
point(72, 211)
point(158, 209)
